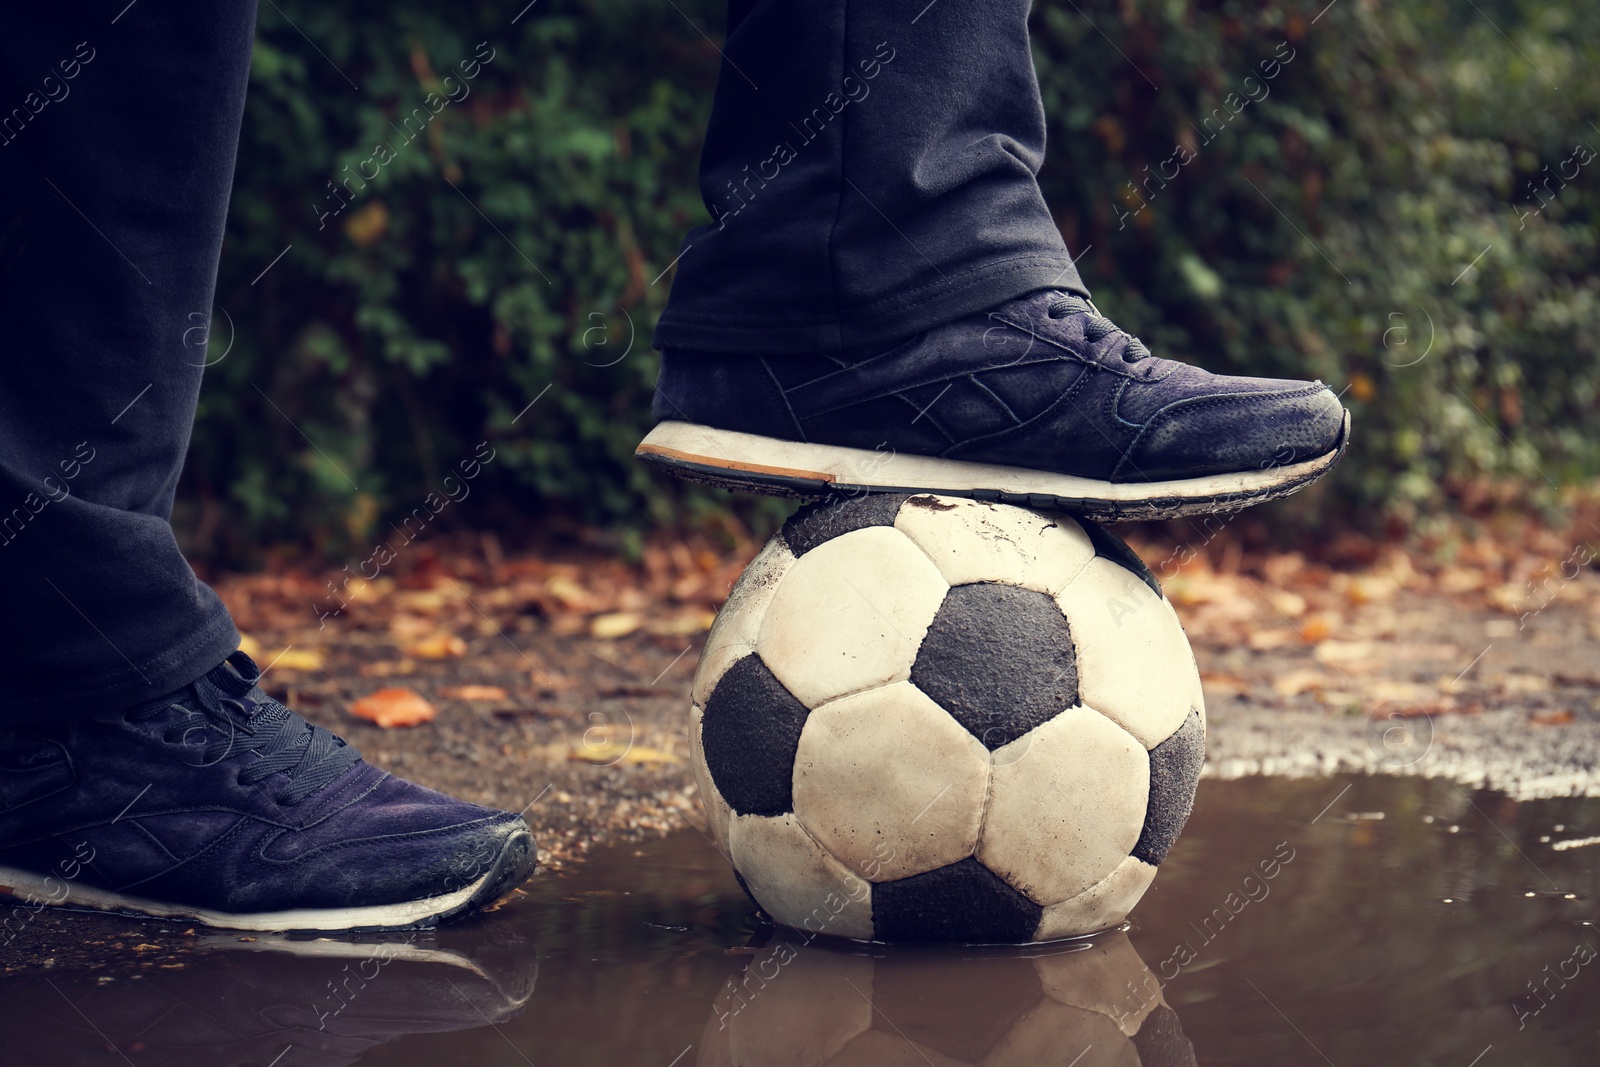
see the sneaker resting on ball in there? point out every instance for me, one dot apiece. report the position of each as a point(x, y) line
point(1040, 401)
point(219, 805)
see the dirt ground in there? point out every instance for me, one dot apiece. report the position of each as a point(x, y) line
point(560, 679)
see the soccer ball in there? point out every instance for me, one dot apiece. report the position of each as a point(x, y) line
point(806, 1006)
point(921, 718)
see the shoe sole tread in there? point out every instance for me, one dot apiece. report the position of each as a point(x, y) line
point(732, 460)
point(514, 862)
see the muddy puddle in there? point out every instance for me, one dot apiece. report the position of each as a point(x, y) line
point(1339, 921)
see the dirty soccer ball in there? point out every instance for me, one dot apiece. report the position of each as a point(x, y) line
point(921, 718)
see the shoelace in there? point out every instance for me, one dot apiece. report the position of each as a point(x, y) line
point(238, 718)
point(1098, 326)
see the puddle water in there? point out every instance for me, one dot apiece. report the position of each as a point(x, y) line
point(1345, 921)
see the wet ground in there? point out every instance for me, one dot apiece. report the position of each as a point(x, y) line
point(1346, 920)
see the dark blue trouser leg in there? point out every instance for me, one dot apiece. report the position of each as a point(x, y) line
point(870, 168)
point(117, 142)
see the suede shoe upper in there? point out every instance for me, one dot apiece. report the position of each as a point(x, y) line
point(1042, 382)
point(220, 797)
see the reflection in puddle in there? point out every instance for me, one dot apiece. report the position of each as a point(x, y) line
point(260, 1001)
point(1090, 1003)
point(1291, 924)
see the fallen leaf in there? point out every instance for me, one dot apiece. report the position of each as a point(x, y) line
point(1371, 588)
point(439, 646)
point(427, 601)
point(1317, 628)
point(616, 752)
point(1402, 692)
point(1290, 604)
point(614, 625)
point(1201, 588)
point(1224, 683)
point(473, 692)
point(393, 707)
point(1510, 598)
point(1514, 683)
point(693, 622)
point(1267, 640)
point(1459, 580)
point(298, 659)
point(1296, 682)
point(1348, 652)
point(250, 647)
point(405, 626)
point(1551, 718)
point(568, 593)
point(383, 668)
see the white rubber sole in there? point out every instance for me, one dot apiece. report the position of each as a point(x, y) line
point(26, 888)
point(737, 460)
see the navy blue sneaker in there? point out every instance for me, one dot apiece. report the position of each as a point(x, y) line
point(221, 806)
point(1040, 401)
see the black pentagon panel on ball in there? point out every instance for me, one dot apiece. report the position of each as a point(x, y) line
point(1160, 1041)
point(1112, 547)
point(960, 902)
point(826, 519)
point(1174, 775)
point(999, 659)
point(749, 733)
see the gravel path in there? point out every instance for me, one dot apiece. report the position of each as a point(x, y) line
point(562, 689)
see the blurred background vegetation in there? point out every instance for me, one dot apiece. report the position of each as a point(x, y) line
point(1407, 209)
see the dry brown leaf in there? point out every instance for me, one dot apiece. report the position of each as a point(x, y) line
point(406, 627)
point(614, 625)
point(569, 593)
point(473, 692)
point(1294, 683)
point(1516, 683)
point(1551, 718)
point(1200, 587)
point(1290, 604)
point(693, 622)
point(1223, 683)
point(1460, 580)
point(383, 668)
point(1267, 640)
point(1510, 598)
point(389, 708)
point(427, 601)
point(1316, 629)
point(615, 752)
point(438, 646)
point(298, 659)
point(1348, 653)
point(1397, 692)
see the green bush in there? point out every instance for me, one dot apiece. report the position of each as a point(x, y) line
point(506, 248)
point(1328, 227)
